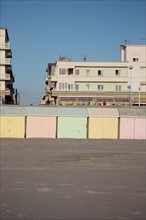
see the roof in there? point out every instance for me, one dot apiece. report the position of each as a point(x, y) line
point(136, 45)
point(132, 112)
point(12, 111)
point(103, 112)
point(87, 64)
point(74, 112)
point(41, 111)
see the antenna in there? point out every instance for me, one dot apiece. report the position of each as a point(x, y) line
point(126, 42)
point(143, 39)
point(85, 58)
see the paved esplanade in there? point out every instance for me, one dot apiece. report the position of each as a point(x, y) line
point(72, 179)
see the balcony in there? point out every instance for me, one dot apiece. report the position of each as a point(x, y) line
point(6, 61)
point(5, 92)
point(5, 46)
point(10, 88)
point(9, 69)
point(5, 77)
point(9, 54)
point(143, 83)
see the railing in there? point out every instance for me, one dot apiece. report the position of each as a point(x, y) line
point(143, 83)
point(5, 77)
point(9, 69)
point(5, 91)
point(5, 46)
point(6, 61)
point(9, 54)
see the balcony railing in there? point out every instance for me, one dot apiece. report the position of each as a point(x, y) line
point(6, 61)
point(9, 69)
point(9, 54)
point(5, 46)
point(5, 77)
point(5, 91)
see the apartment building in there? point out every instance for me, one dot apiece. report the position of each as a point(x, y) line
point(6, 73)
point(97, 83)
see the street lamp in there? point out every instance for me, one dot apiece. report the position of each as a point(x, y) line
point(139, 88)
point(129, 87)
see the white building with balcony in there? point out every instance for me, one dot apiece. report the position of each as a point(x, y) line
point(6, 73)
point(94, 83)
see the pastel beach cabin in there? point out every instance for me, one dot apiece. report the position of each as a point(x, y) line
point(72, 122)
point(132, 123)
point(103, 123)
point(41, 122)
point(12, 122)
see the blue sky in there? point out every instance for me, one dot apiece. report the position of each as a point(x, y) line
point(41, 31)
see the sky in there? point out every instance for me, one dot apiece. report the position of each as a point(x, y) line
point(42, 30)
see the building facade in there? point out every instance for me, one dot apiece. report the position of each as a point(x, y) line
point(6, 73)
point(97, 83)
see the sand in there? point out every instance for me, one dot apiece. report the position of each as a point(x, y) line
point(43, 179)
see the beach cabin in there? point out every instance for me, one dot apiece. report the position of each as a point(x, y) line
point(132, 123)
point(41, 122)
point(12, 121)
point(72, 122)
point(103, 123)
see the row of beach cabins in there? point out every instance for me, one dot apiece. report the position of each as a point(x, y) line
point(72, 122)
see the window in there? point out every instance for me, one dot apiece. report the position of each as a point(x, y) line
point(77, 87)
point(62, 86)
point(117, 72)
point(62, 71)
point(100, 73)
point(70, 87)
point(87, 72)
point(100, 87)
point(118, 88)
point(87, 86)
point(135, 59)
point(65, 86)
point(77, 72)
point(70, 71)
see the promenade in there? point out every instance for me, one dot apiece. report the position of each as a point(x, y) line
point(72, 179)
